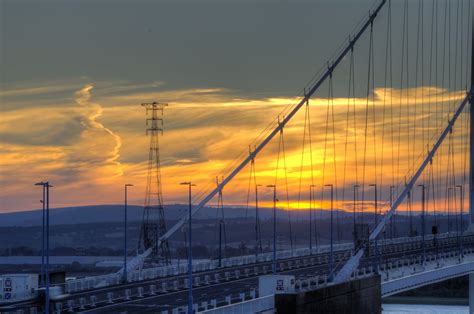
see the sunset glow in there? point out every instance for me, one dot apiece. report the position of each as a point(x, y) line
point(91, 139)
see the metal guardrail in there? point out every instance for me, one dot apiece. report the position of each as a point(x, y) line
point(88, 283)
point(393, 273)
point(408, 277)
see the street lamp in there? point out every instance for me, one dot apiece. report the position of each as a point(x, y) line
point(190, 257)
point(450, 192)
point(331, 257)
point(423, 210)
point(311, 187)
point(354, 232)
point(391, 217)
point(375, 203)
point(258, 240)
point(125, 277)
point(274, 228)
point(46, 187)
point(42, 279)
point(460, 224)
point(375, 226)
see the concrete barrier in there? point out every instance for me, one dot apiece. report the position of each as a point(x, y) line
point(110, 297)
point(325, 279)
point(307, 282)
point(252, 294)
point(82, 303)
point(163, 287)
point(70, 305)
point(297, 284)
point(58, 307)
point(140, 292)
point(128, 294)
point(246, 272)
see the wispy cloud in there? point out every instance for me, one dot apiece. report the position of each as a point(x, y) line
point(92, 112)
point(93, 143)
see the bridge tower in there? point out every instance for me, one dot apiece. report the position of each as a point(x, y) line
point(471, 132)
point(471, 158)
point(153, 224)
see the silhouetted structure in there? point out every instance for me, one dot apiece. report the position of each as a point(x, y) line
point(153, 225)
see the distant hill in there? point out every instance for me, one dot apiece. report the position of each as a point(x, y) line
point(114, 213)
point(96, 213)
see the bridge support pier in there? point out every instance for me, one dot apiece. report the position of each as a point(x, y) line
point(356, 296)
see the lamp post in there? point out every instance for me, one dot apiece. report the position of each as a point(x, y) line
point(450, 192)
point(311, 218)
point(43, 202)
point(220, 242)
point(190, 256)
point(125, 276)
point(354, 231)
point(258, 240)
point(461, 209)
point(331, 256)
point(391, 217)
point(274, 228)
point(376, 220)
point(46, 187)
point(423, 210)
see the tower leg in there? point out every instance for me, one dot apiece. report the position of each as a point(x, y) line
point(471, 132)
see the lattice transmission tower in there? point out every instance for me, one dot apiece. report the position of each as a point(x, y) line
point(153, 225)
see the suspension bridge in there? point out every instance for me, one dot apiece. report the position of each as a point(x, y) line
point(379, 139)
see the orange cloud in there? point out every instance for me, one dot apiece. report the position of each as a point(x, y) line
point(90, 146)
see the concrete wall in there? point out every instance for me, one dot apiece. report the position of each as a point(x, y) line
point(357, 296)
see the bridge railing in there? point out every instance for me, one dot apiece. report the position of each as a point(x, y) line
point(87, 283)
point(397, 275)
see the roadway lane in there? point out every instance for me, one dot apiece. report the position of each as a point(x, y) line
point(153, 304)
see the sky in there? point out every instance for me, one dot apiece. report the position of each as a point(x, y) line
point(73, 75)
